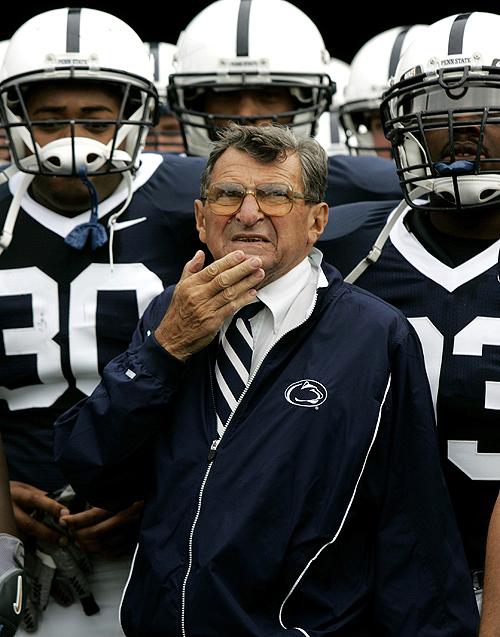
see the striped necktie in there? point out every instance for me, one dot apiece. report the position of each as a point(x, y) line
point(232, 366)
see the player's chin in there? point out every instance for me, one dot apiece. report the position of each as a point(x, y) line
point(67, 193)
point(62, 184)
point(70, 189)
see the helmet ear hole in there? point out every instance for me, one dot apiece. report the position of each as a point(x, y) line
point(487, 194)
point(447, 196)
point(14, 102)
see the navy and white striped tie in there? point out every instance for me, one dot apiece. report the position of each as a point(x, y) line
point(232, 367)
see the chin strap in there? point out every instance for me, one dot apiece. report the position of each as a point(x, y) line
point(458, 185)
point(127, 177)
point(78, 238)
point(376, 250)
point(15, 205)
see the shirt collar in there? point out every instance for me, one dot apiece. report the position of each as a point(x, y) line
point(280, 294)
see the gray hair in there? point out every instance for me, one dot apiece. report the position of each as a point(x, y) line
point(273, 143)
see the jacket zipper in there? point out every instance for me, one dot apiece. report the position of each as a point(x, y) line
point(211, 457)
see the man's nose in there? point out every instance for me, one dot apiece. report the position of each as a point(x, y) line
point(67, 129)
point(464, 124)
point(249, 212)
point(248, 106)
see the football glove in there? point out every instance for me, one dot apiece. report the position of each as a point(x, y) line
point(56, 571)
point(12, 584)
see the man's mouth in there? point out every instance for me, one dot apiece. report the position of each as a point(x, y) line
point(250, 239)
point(467, 150)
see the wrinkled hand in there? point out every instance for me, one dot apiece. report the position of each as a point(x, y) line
point(99, 531)
point(204, 298)
point(26, 500)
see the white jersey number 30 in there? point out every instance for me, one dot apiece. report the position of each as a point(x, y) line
point(38, 338)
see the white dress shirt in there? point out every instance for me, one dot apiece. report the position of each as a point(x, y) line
point(288, 302)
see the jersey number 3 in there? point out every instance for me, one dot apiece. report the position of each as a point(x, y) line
point(483, 330)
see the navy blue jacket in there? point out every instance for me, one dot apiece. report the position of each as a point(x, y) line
point(331, 519)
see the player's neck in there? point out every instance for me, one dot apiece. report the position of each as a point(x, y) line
point(472, 224)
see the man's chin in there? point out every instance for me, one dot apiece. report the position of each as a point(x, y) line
point(66, 195)
point(253, 248)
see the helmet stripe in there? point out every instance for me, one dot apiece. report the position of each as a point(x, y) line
point(456, 41)
point(334, 128)
point(154, 49)
point(73, 31)
point(396, 51)
point(243, 28)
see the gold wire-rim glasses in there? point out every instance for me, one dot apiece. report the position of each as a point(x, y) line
point(273, 199)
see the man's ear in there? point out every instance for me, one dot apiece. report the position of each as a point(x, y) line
point(319, 219)
point(199, 213)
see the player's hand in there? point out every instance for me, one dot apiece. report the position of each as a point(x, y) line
point(204, 298)
point(29, 503)
point(98, 531)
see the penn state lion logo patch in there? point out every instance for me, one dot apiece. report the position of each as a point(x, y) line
point(306, 393)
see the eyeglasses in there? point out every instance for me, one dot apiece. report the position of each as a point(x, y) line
point(274, 200)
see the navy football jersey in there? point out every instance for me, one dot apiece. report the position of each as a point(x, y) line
point(64, 313)
point(351, 231)
point(456, 313)
point(352, 178)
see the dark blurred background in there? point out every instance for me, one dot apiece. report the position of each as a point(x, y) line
point(345, 26)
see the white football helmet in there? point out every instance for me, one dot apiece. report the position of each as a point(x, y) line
point(330, 133)
point(77, 45)
point(447, 84)
point(162, 55)
point(233, 45)
point(371, 68)
point(164, 135)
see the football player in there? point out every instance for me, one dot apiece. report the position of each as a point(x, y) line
point(371, 68)
point(166, 135)
point(262, 62)
point(91, 229)
point(437, 258)
point(330, 133)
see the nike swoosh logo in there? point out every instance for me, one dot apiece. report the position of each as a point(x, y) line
point(18, 604)
point(120, 225)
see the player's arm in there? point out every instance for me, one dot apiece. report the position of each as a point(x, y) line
point(490, 618)
point(7, 522)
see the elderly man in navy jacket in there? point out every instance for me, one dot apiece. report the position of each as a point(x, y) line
point(315, 504)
